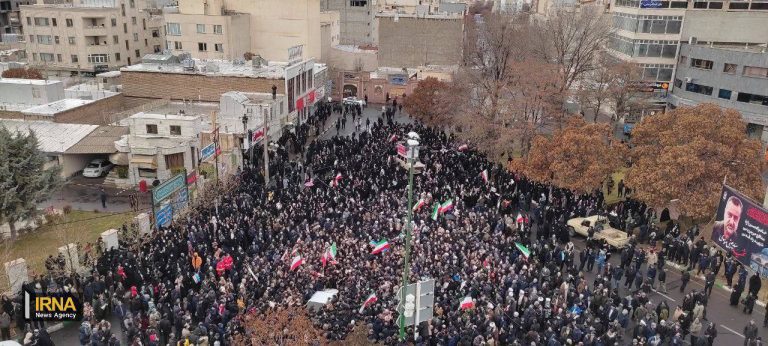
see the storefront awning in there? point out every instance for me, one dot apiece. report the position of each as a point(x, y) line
point(144, 161)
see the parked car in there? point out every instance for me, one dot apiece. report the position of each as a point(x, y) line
point(97, 168)
point(352, 100)
point(603, 230)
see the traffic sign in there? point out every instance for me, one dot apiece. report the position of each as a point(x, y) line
point(164, 215)
point(208, 151)
point(167, 188)
point(419, 304)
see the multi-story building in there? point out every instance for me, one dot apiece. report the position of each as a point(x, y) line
point(357, 21)
point(90, 36)
point(411, 40)
point(9, 17)
point(329, 34)
point(268, 28)
point(726, 65)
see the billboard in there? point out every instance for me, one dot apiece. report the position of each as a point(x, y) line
point(741, 228)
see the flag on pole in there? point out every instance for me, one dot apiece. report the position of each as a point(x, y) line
point(436, 211)
point(419, 204)
point(523, 249)
point(329, 255)
point(446, 206)
point(335, 181)
point(463, 147)
point(368, 301)
point(467, 303)
point(393, 138)
point(379, 246)
point(484, 175)
point(296, 262)
point(309, 183)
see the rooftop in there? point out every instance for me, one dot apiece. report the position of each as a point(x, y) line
point(109, 74)
point(250, 98)
point(442, 15)
point(99, 141)
point(81, 4)
point(737, 47)
point(50, 109)
point(28, 81)
point(356, 49)
point(214, 67)
point(142, 115)
point(52, 137)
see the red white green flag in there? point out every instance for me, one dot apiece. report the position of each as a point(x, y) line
point(296, 262)
point(519, 218)
point(523, 249)
point(419, 204)
point(368, 301)
point(446, 206)
point(379, 246)
point(329, 255)
point(436, 211)
point(467, 303)
point(484, 175)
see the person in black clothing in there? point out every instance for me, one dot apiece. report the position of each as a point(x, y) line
point(686, 277)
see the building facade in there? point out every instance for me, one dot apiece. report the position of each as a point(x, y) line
point(357, 20)
point(419, 40)
point(10, 22)
point(330, 26)
point(205, 31)
point(90, 36)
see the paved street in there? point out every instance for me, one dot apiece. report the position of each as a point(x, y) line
point(85, 194)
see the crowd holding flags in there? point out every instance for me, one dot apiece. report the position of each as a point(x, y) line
point(484, 175)
point(467, 303)
point(379, 246)
point(335, 181)
point(329, 255)
point(296, 261)
point(368, 301)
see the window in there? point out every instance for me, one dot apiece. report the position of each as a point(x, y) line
point(122, 10)
point(138, 53)
point(29, 21)
point(56, 39)
point(156, 48)
point(151, 129)
point(752, 98)
point(70, 23)
point(34, 56)
point(699, 4)
point(759, 6)
point(177, 45)
point(678, 83)
point(751, 71)
point(135, 37)
point(133, 20)
point(173, 29)
point(115, 39)
point(39, 21)
point(724, 94)
point(219, 47)
point(155, 33)
point(202, 46)
point(74, 58)
point(701, 63)
point(738, 6)
point(53, 21)
point(683, 60)
point(125, 28)
point(126, 45)
point(44, 39)
point(175, 130)
point(201, 28)
point(217, 29)
point(698, 88)
point(715, 5)
point(147, 173)
point(358, 3)
point(146, 43)
point(144, 23)
point(114, 21)
point(678, 4)
point(46, 57)
point(132, 3)
point(117, 56)
point(98, 58)
point(58, 57)
point(31, 38)
point(71, 39)
point(729, 68)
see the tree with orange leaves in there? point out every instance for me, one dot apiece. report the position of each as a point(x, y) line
point(686, 153)
point(428, 100)
point(578, 157)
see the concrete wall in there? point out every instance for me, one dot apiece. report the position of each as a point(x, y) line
point(329, 33)
point(357, 23)
point(411, 42)
point(190, 86)
point(95, 113)
point(719, 26)
point(30, 92)
point(348, 60)
point(71, 164)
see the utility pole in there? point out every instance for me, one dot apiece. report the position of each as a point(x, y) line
point(266, 138)
point(412, 143)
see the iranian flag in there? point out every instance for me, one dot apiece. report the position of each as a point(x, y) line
point(336, 179)
point(296, 262)
point(523, 249)
point(393, 138)
point(419, 204)
point(467, 303)
point(484, 175)
point(379, 246)
point(463, 147)
point(436, 211)
point(368, 301)
point(329, 255)
point(309, 183)
point(446, 206)
point(519, 218)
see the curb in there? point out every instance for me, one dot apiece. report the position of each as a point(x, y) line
point(718, 283)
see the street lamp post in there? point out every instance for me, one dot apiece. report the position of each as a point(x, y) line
point(413, 142)
point(246, 138)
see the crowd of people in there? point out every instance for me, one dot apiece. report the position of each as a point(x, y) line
point(503, 244)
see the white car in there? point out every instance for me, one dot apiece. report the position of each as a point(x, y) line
point(615, 238)
point(354, 101)
point(97, 168)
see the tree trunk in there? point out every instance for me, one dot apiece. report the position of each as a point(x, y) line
point(12, 227)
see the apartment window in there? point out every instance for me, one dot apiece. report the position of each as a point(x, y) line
point(122, 10)
point(175, 130)
point(132, 3)
point(29, 21)
point(144, 23)
point(358, 3)
point(117, 56)
point(729, 68)
point(753, 99)
point(701, 63)
point(724, 94)
point(133, 20)
point(74, 58)
point(115, 39)
point(98, 58)
point(46, 57)
point(177, 45)
point(126, 45)
point(31, 38)
point(39, 21)
point(58, 57)
point(202, 46)
point(217, 29)
point(715, 5)
point(138, 53)
point(678, 83)
point(699, 4)
point(135, 37)
point(70, 23)
point(155, 33)
point(53, 21)
point(147, 173)
point(201, 28)
point(219, 47)
point(156, 48)
point(151, 129)
point(683, 60)
point(738, 6)
point(71, 39)
point(699, 89)
point(44, 39)
point(751, 71)
point(125, 28)
point(34, 56)
point(114, 21)
point(173, 29)
point(146, 43)
point(56, 39)
point(759, 6)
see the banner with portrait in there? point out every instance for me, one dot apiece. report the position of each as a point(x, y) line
point(741, 228)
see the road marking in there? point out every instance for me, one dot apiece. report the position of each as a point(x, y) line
point(731, 330)
point(665, 296)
